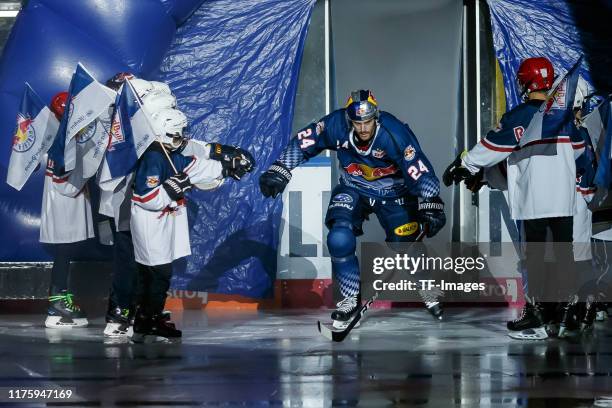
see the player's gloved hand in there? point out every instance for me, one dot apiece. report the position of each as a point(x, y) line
point(274, 180)
point(474, 182)
point(431, 215)
point(177, 185)
point(455, 172)
point(236, 162)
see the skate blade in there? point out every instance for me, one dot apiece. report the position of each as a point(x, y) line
point(152, 339)
point(55, 322)
point(565, 333)
point(539, 333)
point(114, 330)
point(340, 325)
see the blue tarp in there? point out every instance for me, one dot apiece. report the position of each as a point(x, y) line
point(560, 30)
point(234, 69)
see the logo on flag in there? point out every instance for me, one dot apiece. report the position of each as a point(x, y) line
point(84, 135)
point(25, 135)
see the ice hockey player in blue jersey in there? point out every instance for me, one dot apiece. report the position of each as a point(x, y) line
point(383, 171)
point(158, 221)
point(541, 182)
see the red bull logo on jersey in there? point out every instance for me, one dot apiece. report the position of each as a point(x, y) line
point(25, 136)
point(370, 173)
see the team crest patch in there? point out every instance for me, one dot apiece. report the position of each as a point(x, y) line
point(409, 153)
point(342, 198)
point(25, 136)
point(406, 229)
point(320, 128)
point(378, 153)
point(152, 181)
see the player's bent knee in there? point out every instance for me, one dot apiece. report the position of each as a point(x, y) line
point(341, 240)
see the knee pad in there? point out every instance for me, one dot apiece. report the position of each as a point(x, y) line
point(341, 240)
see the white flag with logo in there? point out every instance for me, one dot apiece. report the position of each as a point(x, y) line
point(36, 129)
point(88, 100)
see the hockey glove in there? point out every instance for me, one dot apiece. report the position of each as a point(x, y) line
point(176, 186)
point(431, 214)
point(455, 172)
point(236, 162)
point(274, 180)
point(474, 182)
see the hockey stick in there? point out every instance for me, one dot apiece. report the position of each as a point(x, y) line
point(339, 335)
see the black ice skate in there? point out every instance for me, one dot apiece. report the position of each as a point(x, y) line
point(602, 312)
point(118, 323)
point(64, 313)
point(529, 325)
point(345, 309)
point(568, 323)
point(155, 329)
point(588, 317)
point(432, 302)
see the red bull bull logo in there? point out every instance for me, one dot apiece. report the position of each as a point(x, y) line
point(25, 136)
point(116, 133)
point(370, 173)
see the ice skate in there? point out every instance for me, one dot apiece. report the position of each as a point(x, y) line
point(155, 329)
point(64, 313)
point(345, 310)
point(602, 312)
point(529, 325)
point(590, 312)
point(568, 323)
point(432, 304)
point(118, 323)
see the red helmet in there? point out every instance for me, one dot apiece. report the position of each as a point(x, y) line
point(535, 74)
point(58, 103)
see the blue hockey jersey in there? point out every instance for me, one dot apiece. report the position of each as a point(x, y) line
point(391, 166)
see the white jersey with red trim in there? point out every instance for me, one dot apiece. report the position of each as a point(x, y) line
point(541, 174)
point(160, 230)
point(65, 215)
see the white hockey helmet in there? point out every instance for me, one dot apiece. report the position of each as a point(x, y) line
point(157, 100)
point(583, 91)
point(169, 125)
point(141, 86)
point(160, 86)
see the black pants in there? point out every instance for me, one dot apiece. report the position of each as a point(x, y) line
point(153, 285)
point(554, 283)
point(125, 271)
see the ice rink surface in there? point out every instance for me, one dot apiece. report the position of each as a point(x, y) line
point(277, 358)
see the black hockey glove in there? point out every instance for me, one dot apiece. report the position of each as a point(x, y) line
point(236, 162)
point(274, 180)
point(176, 186)
point(431, 215)
point(455, 172)
point(474, 182)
